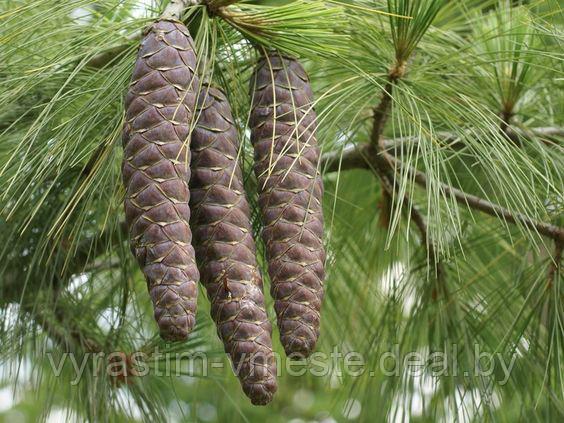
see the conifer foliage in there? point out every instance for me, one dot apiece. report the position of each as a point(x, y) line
point(437, 260)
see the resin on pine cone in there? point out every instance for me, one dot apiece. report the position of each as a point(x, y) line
point(283, 125)
point(159, 110)
point(225, 249)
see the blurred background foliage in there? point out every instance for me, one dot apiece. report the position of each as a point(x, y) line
point(488, 73)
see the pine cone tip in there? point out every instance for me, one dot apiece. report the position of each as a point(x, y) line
point(176, 329)
point(297, 349)
point(261, 393)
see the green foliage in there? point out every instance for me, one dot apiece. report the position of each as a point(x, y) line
point(68, 279)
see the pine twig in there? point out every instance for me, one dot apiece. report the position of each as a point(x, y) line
point(381, 113)
point(504, 125)
point(364, 157)
point(419, 220)
point(378, 146)
point(549, 131)
point(432, 254)
point(374, 156)
point(175, 8)
point(380, 118)
point(555, 266)
point(483, 205)
point(354, 157)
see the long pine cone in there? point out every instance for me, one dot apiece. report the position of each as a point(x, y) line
point(159, 109)
point(225, 248)
point(283, 125)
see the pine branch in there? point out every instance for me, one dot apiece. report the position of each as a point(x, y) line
point(549, 131)
point(485, 206)
point(504, 126)
point(381, 112)
point(385, 172)
point(175, 8)
point(374, 156)
point(432, 255)
point(354, 157)
point(364, 157)
point(547, 135)
point(380, 117)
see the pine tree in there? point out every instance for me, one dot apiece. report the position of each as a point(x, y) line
point(440, 132)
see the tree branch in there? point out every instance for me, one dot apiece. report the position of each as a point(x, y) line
point(378, 146)
point(381, 168)
point(385, 172)
point(432, 255)
point(175, 8)
point(381, 113)
point(353, 157)
point(483, 205)
point(548, 131)
point(554, 269)
point(364, 157)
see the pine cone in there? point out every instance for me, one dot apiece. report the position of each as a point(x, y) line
point(225, 248)
point(159, 109)
point(283, 125)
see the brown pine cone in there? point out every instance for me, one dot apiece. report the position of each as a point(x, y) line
point(283, 125)
point(159, 109)
point(225, 248)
